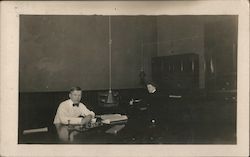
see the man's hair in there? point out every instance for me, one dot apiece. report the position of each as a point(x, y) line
point(76, 88)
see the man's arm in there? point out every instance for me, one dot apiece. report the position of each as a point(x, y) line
point(86, 112)
point(86, 119)
point(65, 118)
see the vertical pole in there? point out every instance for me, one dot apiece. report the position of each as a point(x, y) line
point(110, 53)
point(142, 57)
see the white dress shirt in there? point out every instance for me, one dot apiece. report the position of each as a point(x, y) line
point(67, 112)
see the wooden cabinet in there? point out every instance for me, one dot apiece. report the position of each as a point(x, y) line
point(176, 71)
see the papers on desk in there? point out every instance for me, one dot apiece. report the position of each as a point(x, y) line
point(112, 118)
point(175, 96)
point(108, 116)
point(29, 131)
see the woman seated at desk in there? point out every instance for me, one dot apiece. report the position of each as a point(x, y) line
point(150, 103)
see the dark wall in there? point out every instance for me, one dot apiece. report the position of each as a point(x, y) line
point(181, 35)
point(189, 34)
point(129, 32)
point(221, 54)
point(57, 52)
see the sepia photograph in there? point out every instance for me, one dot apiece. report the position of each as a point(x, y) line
point(134, 79)
point(165, 78)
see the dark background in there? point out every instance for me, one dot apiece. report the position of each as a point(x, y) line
point(57, 52)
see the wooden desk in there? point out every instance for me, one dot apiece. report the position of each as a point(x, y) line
point(138, 131)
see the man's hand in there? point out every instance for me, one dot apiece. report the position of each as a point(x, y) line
point(86, 119)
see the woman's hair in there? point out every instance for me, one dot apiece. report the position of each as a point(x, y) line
point(150, 83)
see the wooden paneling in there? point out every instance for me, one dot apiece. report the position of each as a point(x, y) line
point(176, 72)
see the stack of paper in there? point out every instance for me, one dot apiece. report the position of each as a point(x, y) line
point(110, 118)
point(175, 96)
point(29, 131)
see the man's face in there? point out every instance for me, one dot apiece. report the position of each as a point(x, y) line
point(75, 96)
point(151, 88)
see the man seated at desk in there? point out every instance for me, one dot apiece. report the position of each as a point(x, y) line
point(72, 110)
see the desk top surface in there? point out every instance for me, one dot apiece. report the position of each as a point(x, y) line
point(133, 131)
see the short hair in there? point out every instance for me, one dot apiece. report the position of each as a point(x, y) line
point(150, 83)
point(76, 88)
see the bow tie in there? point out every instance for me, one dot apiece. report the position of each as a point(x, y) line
point(77, 105)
